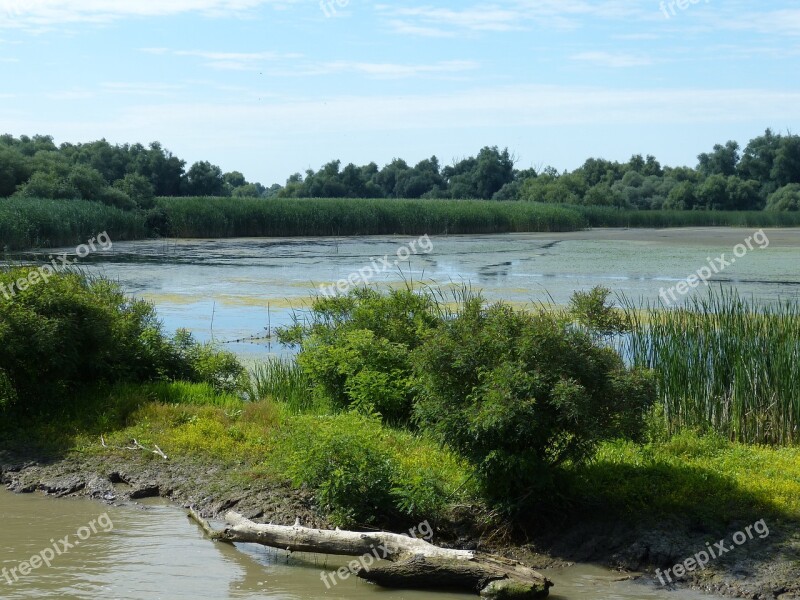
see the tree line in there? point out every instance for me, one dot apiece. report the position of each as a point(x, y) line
point(765, 174)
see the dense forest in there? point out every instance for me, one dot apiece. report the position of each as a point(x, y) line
point(763, 175)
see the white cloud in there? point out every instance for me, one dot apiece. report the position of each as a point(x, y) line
point(508, 15)
point(227, 61)
point(495, 108)
point(398, 71)
point(236, 61)
point(38, 14)
point(775, 22)
point(141, 89)
point(613, 60)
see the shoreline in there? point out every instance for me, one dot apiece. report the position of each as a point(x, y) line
point(765, 570)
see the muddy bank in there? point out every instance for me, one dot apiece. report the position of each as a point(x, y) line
point(762, 569)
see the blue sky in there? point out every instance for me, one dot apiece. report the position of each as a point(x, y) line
point(271, 87)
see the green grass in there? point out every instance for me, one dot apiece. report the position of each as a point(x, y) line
point(724, 363)
point(604, 216)
point(701, 479)
point(30, 223)
point(248, 217)
point(284, 381)
point(688, 477)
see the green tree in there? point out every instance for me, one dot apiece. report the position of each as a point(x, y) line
point(138, 188)
point(44, 184)
point(743, 195)
point(786, 168)
point(682, 197)
point(14, 170)
point(758, 159)
point(250, 190)
point(88, 181)
point(713, 193)
point(722, 161)
point(786, 198)
point(234, 179)
point(203, 179)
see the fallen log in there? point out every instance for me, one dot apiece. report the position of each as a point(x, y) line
point(416, 563)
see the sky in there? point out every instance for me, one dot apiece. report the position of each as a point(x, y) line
point(274, 87)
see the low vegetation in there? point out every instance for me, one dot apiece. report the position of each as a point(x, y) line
point(407, 404)
point(59, 334)
point(724, 363)
point(35, 223)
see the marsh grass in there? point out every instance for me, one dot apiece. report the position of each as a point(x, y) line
point(605, 216)
point(723, 363)
point(253, 217)
point(32, 223)
point(284, 382)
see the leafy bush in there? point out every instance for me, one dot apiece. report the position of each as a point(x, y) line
point(365, 472)
point(786, 198)
point(356, 348)
point(345, 458)
point(70, 331)
point(593, 311)
point(518, 394)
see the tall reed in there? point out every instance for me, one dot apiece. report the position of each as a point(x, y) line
point(605, 216)
point(31, 223)
point(283, 381)
point(253, 217)
point(725, 363)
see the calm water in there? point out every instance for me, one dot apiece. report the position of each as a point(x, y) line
point(155, 553)
point(237, 288)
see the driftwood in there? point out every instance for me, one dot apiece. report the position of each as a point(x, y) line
point(415, 563)
point(135, 446)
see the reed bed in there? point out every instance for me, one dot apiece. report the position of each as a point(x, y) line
point(32, 223)
point(284, 382)
point(253, 217)
point(605, 216)
point(725, 363)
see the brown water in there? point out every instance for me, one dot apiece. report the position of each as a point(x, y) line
point(153, 552)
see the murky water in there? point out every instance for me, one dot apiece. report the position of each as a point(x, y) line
point(238, 288)
point(154, 552)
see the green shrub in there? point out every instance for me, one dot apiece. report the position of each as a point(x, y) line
point(593, 311)
point(356, 349)
point(519, 394)
point(345, 458)
point(69, 331)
